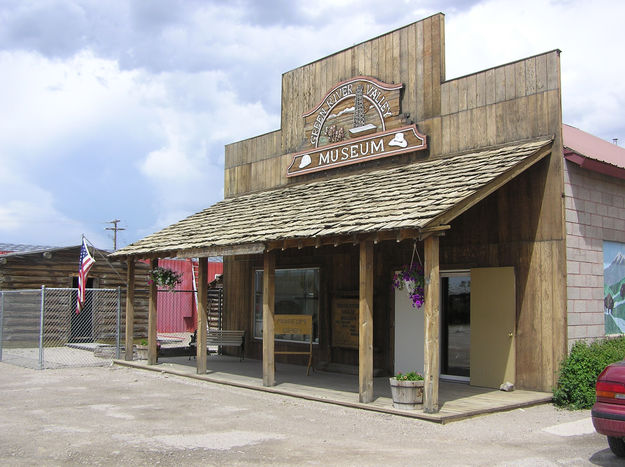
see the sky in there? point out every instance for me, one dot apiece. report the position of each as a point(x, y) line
point(120, 109)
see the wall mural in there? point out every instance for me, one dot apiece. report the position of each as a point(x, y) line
point(614, 287)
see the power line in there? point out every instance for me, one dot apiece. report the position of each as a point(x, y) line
point(115, 229)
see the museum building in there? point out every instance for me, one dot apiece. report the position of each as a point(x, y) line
point(382, 165)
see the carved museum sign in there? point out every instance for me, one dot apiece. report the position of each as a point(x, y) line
point(357, 120)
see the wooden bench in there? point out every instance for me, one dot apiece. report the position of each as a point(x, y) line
point(220, 338)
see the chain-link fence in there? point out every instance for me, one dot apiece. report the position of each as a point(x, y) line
point(40, 328)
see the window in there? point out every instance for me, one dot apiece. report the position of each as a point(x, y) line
point(297, 293)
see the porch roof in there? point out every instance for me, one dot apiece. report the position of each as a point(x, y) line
point(414, 197)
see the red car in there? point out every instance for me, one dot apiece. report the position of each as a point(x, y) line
point(608, 413)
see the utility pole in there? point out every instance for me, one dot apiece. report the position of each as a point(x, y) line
point(114, 229)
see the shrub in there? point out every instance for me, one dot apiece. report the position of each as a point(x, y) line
point(410, 376)
point(578, 374)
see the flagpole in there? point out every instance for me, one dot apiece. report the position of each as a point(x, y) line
point(103, 257)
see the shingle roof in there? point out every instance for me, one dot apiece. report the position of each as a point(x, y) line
point(14, 247)
point(412, 196)
point(35, 250)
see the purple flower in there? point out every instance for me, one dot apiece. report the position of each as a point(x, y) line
point(411, 276)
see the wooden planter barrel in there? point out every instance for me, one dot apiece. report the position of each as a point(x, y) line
point(407, 395)
point(141, 352)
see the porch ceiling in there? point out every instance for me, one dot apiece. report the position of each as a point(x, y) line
point(417, 196)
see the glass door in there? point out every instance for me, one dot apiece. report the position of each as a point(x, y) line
point(456, 325)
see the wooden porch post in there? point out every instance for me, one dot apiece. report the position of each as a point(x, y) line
point(365, 333)
point(130, 309)
point(152, 303)
point(431, 345)
point(269, 284)
point(202, 316)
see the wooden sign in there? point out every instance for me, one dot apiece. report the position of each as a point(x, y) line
point(293, 324)
point(376, 146)
point(355, 121)
point(361, 104)
point(345, 322)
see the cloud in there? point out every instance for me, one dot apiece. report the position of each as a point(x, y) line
point(60, 100)
point(68, 143)
point(502, 31)
point(54, 28)
point(197, 116)
point(252, 42)
point(96, 135)
point(28, 211)
point(121, 109)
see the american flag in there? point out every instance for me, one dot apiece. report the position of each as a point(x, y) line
point(86, 261)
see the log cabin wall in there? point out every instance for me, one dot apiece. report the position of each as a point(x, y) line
point(32, 270)
point(520, 225)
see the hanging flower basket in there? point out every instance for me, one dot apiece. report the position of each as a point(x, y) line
point(411, 278)
point(164, 277)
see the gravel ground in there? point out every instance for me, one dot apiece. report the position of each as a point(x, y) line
point(123, 416)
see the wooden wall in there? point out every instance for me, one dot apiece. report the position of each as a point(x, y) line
point(413, 55)
point(509, 228)
point(250, 165)
point(338, 279)
point(506, 229)
point(521, 225)
point(525, 219)
point(511, 102)
point(31, 271)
